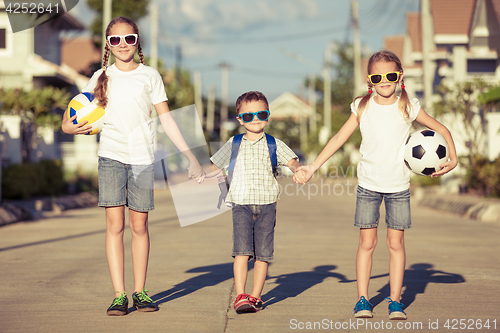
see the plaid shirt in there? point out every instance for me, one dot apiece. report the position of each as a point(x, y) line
point(253, 182)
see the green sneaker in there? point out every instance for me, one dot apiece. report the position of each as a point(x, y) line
point(142, 302)
point(119, 307)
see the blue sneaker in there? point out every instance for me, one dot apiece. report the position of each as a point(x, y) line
point(395, 310)
point(363, 309)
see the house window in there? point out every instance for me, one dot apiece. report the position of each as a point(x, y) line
point(484, 66)
point(3, 38)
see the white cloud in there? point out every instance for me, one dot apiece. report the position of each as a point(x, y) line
point(211, 19)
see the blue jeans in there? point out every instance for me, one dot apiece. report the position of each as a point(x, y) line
point(125, 184)
point(397, 209)
point(253, 231)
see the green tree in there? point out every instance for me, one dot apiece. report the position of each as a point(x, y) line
point(462, 101)
point(342, 90)
point(37, 109)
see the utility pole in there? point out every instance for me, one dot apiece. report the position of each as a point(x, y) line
point(313, 126)
point(225, 96)
point(178, 63)
point(427, 43)
point(327, 98)
point(197, 96)
point(154, 35)
point(358, 80)
point(210, 110)
point(106, 18)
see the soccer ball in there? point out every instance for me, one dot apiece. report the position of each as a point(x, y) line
point(425, 150)
point(85, 107)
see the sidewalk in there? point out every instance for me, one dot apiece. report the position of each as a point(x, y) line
point(12, 211)
point(465, 205)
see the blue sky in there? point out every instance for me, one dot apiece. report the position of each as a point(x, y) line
point(254, 37)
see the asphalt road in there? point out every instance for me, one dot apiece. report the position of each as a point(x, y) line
point(54, 275)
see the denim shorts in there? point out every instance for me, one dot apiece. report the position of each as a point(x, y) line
point(125, 184)
point(397, 209)
point(253, 231)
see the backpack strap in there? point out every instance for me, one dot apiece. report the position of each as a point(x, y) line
point(271, 145)
point(234, 154)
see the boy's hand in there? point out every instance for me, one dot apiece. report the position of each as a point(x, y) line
point(195, 171)
point(445, 168)
point(304, 174)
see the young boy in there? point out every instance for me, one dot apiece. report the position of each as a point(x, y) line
point(252, 195)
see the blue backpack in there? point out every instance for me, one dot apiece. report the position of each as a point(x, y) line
point(271, 145)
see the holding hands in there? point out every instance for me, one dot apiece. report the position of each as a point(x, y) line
point(195, 171)
point(304, 174)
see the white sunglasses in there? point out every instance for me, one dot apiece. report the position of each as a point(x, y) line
point(115, 40)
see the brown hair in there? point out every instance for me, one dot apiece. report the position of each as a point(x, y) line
point(100, 91)
point(404, 101)
point(251, 96)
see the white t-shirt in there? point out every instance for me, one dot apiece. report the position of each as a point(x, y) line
point(381, 167)
point(127, 134)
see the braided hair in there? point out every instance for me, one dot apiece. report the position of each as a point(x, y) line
point(100, 91)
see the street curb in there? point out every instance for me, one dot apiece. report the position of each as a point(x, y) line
point(16, 211)
point(474, 208)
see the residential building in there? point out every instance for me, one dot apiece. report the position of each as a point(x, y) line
point(463, 39)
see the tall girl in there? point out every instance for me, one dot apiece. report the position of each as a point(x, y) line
point(128, 90)
point(385, 120)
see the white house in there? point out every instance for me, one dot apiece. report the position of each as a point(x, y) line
point(290, 106)
point(31, 59)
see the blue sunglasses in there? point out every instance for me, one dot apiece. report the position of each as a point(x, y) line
point(248, 117)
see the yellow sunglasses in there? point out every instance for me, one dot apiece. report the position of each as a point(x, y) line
point(377, 78)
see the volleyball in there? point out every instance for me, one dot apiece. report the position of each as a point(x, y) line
point(86, 108)
point(425, 151)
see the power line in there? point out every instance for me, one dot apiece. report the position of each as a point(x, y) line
point(257, 40)
point(253, 71)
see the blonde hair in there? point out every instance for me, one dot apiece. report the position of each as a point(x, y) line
point(100, 91)
point(404, 101)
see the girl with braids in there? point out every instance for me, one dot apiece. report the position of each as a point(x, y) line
point(385, 120)
point(128, 90)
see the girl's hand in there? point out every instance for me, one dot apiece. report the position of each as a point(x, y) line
point(81, 128)
point(195, 171)
point(445, 168)
point(304, 174)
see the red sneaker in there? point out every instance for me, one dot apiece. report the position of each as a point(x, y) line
point(256, 302)
point(242, 304)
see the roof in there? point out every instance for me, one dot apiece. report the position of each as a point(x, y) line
point(79, 53)
point(452, 17)
point(395, 44)
point(288, 105)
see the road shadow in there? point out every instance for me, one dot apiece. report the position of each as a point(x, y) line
point(416, 279)
point(293, 284)
point(214, 274)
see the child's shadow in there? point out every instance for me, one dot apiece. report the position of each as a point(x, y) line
point(293, 284)
point(215, 274)
point(415, 280)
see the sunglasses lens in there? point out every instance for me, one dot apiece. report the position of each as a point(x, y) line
point(114, 41)
point(392, 77)
point(247, 117)
point(130, 39)
point(376, 78)
point(262, 115)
